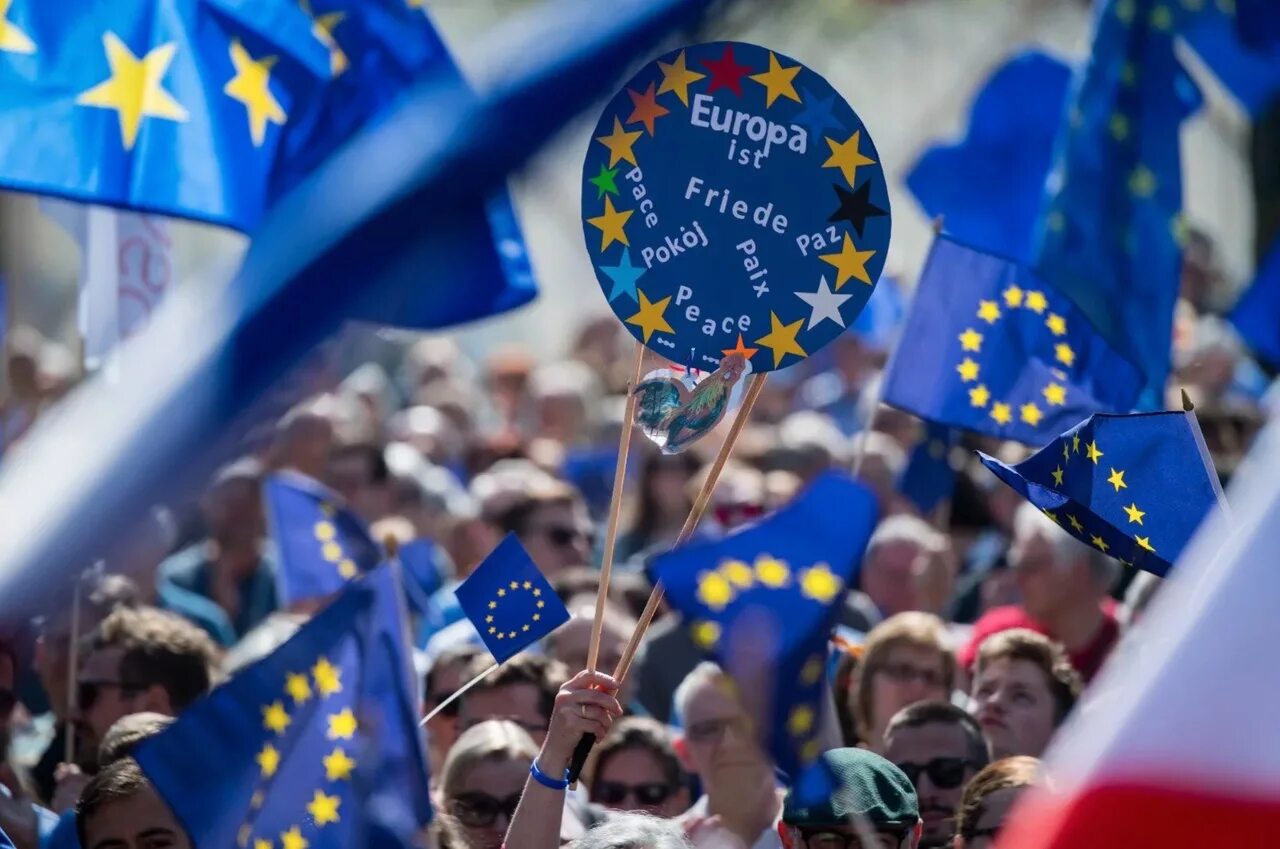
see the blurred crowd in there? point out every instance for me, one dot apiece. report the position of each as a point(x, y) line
point(972, 631)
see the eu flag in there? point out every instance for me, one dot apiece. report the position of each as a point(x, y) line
point(420, 567)
point(509, 601)
point(316, 745)
point(996, 350)
point(1110, 235)
point(1134, 487)
point(763, 600)
point(1257, 314)
point(322, 544)
point(930, 478)
point(989, 185)
point(214, 109)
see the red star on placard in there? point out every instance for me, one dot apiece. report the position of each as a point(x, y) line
point(647, 108)
point(726, 73)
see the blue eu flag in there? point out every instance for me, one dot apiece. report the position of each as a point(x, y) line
point(315, 746)
point(989, 185)
point(420, 567)
point(509, 601)
point(996, 350)
point(763, 601)
point(1134, 487)
point(930, 478)
point(213, 110)
point(1257, 314)
point(322, 544)
point(1112, 228)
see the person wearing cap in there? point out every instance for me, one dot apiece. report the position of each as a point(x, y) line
point(872, 800)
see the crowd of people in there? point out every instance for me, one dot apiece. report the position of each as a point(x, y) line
point(970, 635)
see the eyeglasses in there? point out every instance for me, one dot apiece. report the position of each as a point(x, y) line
point(87, 692)
point(945, 773)
point(824, 838)
point(480, 810)
point(712, 730)
point(563, 536)
point(614, 793)
point(905, 673)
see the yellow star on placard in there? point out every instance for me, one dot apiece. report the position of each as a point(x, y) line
point(1091, 450)
point(968, 370)
point(1012, 297)
point(1075, 523)
point(1001, 412)
point(971, 340)
point(268, 760)
point(1116, 479)
point(323, 808)
point(1055, 394)
point(328, 677)
point(1057, 476)
point(612, 224)
point(979, 396)
point(714, 590)
point(134, 89)
point(293, 839)
point(846, 156)
point(850, 262)
point(1145, 542)
point(781, 339)
point(651, 317)
point(1099, 543)
point(988, 311)
point(337, 766)
point(12, 39)
point(1036, 302)
point(772, 572)
point(619, 143)
point(1057, 324)
point(322, 28)
point(1135, 515)
point(298, 688)
point(252, 86)
point(777, 81)
point(820, 583)
point(677, 77)
point(275, 718)
point(342, 725)
point(1063, 353)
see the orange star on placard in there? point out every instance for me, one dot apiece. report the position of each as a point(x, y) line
point(740, 348)
point(647, 108)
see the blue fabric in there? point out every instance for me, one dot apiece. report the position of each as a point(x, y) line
point(62, 836)
point(1259, 23)
point(509, 602)
point(183, 586)
point(318, 739)
point(998, 351)
point(1251, 75)
point(420, 564)
point(1134, 487)
point(763, 601)
point(442, 610)
point(1257, 314)
point(1109, 232)
point(322, 544)
point(929, 478)
point(989, 185)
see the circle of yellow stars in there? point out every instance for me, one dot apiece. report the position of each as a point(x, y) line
point(504, 593)
point(322, 681)
point(972, 339)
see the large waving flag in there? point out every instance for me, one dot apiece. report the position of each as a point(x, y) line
point(763, 601)
point(213, 109)
point(1174, 746)
point(1134, 487)
point(316, 744)
point(1112, 227)
point(995, 350)
point(989, 185)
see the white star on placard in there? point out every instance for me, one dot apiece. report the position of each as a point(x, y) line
point(825, 304)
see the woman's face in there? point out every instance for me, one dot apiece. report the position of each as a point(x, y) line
point(485, 799)
point(1012, 702)
point(909, 674)
point(633, 780)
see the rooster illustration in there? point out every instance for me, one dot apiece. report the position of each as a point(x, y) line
point(675, 416)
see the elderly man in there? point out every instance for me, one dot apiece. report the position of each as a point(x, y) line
point(899, 554)
point(1064, 586)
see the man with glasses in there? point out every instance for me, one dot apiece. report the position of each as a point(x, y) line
point(551, 521)
point(940, 748)
point(523, 691)
point(873, 806)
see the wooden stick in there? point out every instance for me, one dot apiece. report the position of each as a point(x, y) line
point(615, 509)
point(700, 505)
point(458, 692)
point(860, 439)
point(69, 751)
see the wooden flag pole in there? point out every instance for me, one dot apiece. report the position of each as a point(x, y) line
point(458, 692)
point(615, 509)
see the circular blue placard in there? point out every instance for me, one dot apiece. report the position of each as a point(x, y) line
point(733, 201)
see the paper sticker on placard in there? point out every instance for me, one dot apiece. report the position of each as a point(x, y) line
point(733, 202)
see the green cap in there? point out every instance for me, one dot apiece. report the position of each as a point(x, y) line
point(866, 785)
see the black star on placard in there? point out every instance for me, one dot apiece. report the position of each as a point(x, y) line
point(856, 206)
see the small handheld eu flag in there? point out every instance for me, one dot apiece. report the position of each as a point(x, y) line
point(313, 746)
point(1134, 487)
point(763, 600)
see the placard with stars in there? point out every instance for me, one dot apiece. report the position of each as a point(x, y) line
point(733, 201)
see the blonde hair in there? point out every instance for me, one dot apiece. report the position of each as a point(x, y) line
point(912, 629)
point(1006, 774)
point(491, 740)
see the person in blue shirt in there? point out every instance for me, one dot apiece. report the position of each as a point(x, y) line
point(226, 582)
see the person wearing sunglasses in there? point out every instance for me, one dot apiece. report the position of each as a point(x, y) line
point(551, 520)
point(989, 798)
point(872, 806)
point(940, 748)
point(481, 784)
point(637, 769)
point(446, 675)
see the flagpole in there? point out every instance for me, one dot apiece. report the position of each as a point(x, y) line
point(69, 749)
point(1193, 421)
point(615, 509)
point(458, 692)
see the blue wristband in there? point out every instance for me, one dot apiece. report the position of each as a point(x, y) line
point(546, 780)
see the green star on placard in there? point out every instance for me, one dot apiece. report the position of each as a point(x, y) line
point(605, 181)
